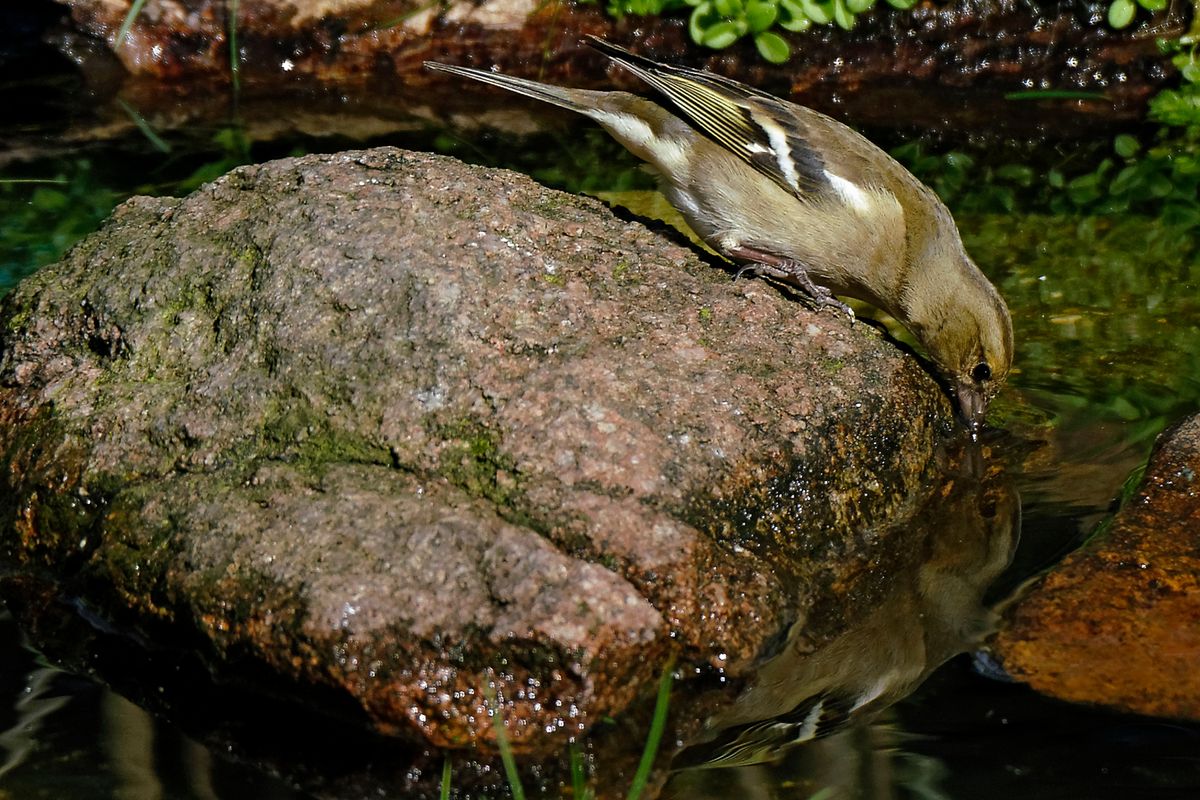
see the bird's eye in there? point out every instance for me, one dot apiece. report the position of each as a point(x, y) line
point(982, 372)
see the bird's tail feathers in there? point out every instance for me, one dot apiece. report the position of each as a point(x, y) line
point(633, 61)
point(554, 95)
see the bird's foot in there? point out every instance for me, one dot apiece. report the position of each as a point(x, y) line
point(794, 273)
point(820, 295)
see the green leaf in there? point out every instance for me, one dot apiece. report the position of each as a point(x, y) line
point(701, 18)
point(903, 5)
point(1191, 72)
point(721, 35)
point(1017, 173)
point(760, 15)
point(1172, 107)
point(729, 8)
point(792, 16)
point(842, 15)
point(819, 12)
point(1055, 178)
point(859, 6)
point(1121, 12)
point(1126, 146)
point(49, 200)
point(772, 47)
point(1160, 186)
point(1125, 180)
point(1153, 5)
point(1084, 189)
point(959, 160)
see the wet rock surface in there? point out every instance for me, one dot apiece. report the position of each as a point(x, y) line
point(1118, 622)
point(379, 431)
point(880, 73)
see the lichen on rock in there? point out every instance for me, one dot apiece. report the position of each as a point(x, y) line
point(399, 429)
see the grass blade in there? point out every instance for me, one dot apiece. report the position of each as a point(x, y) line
point(143, 126)
point(445, 795)
point(1055, 94)
point(579, 787)
point(127, 23)
point(657, 726)
point(506, 753)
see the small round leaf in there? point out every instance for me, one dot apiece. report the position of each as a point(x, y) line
point(1121, 12)
point(842, 15)
point(1126, 146)
point(859, 6)
point(702, 17)
point(796, 24)
point(772, 47)
point(819, 12)
point(1019, 174)
point(792, 16)
point(720, 36)
point(1160, 186)
point(760, 15)
point(1126, 180)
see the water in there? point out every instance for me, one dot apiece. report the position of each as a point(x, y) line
point(1108, 335)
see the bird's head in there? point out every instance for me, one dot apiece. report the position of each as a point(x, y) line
point(970, 342)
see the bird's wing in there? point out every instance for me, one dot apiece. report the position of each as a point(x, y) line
point(757, 742)
point(768, 133)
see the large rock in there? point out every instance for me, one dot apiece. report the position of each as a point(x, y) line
point(388, 429)
point(1118, 622)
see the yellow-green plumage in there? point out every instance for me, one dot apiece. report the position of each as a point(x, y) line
point(800, 197)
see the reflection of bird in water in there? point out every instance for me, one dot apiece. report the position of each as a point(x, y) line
point(37, 701)
point(129, 740)
point(932, 610)
point(815, 717)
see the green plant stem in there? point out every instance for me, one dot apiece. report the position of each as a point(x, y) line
point(445, 794)
point(506, 753)
point(127, 23)
point(657, 726)
point(579, 788)
point(1056, 94)
point(143, 126)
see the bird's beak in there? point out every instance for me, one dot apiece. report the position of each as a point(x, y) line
point(972, 405)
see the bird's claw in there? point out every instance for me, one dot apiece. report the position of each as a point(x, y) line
point(796, 275)
point(754, 270)
point(761, 264)
point(840, 306)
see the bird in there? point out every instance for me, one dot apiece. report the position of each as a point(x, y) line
point(791, 194)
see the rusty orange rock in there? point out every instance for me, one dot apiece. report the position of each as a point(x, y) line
point(1118, 623)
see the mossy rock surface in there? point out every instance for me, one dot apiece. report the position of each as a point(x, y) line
point(378, 424)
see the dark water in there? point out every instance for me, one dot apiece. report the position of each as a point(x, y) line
point(1108, 333)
